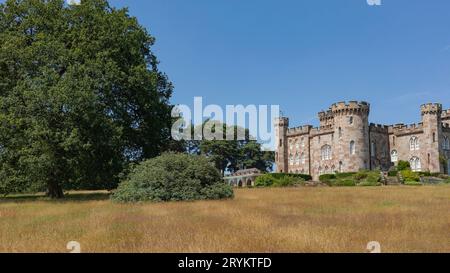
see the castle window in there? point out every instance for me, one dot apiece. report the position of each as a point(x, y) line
point(394, 156)
point(276, 156)
point(350, 120)
point(326, 152)
point(281, 143)
point(434, 137)
point(352, 148)
point(303, 142)
point(446, 144)
point(297, 159)
point(340, 132)
point(414, 144)
point(393, 141)
point(416, 166)
point(320, 171)
point(291, 146)
point(373, 149)
point(303, 158)
point(297, 145)
point(340, 166)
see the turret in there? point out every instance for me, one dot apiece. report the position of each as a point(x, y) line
point(281, 156)
point(351, 128)
point(432, 136)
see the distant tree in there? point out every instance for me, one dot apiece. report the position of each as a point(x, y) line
point(231, 155)
point(81, 95)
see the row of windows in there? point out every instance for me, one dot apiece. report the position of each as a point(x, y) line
point(298, 159)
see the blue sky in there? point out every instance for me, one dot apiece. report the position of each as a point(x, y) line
point(304, 55)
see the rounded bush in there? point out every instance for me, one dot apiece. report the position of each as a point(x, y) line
point(173, 177)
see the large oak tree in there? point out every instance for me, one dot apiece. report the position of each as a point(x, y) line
point(81, 95)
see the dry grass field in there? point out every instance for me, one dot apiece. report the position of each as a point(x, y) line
point(402, 219)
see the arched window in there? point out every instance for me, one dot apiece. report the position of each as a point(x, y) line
point(352, 147)
point(394, 156)
point(414, 143)
point(291, 159)
point(297, 159)
point(320, 171)
point(326, 152)
point(303, 142)
point(297, 145)
point(446, 144)
point(303, 158)
point(327, 170)
point(340, 132)
point(350, 120)
point(393, 141)
point(373, 149)
point(333, 169)
point(291, 145)
point(416, 166)
point(340, 166)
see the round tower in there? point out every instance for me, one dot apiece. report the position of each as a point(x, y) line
point(281, 148)
point(430, 148)
point(351, 141)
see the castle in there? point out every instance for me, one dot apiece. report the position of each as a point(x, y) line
point(346, 142)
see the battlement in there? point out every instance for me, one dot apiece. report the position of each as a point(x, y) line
point(446, 114)
point(431, 108)
point(325, 115)
point(282, 122)
point(351, 107)
point(402, 129)
point(317, 131)
point(380, 128)
point(301, 130)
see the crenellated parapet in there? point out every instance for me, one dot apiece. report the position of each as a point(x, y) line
point(321, 131)
point(445, 114)
point(431, 108)
point(350, 108)
point(379, 128)
point(302, 130)
point(402, 129)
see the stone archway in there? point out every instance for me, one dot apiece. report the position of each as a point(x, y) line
point(240, 184)
point(249, 183)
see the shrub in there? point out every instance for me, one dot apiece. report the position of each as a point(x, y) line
point(413, 183)
point(344, 175)
point(410, 176)
point(279, 180)
point(327, 177)
point(305, 177)
point(403, 165)
point(266, 180)
point(344, 183)
point(392, 173)
point(369, 184)
point(361, 175)
point(173, 177)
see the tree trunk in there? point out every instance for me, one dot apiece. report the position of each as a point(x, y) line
point(55, 191)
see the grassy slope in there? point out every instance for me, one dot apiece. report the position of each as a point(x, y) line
point(402, 219)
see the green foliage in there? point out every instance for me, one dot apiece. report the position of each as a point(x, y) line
point(327, 177)
point(81, 96)
point(280, 180)
point(413, 183)
point(362, 178)
point(265, 180)
point(403, 165)
point(392, 173)
point(173, 177)
point(344, 175)
point(305, 177)
point(229, 154)
point(344, 183)
point(410, 176)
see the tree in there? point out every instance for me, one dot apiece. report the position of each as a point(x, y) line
point(173, 177)
point(231, 155)
point(81, 95)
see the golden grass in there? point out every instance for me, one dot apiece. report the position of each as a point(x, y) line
point(402, 219)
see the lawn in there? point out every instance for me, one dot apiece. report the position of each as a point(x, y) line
point(402, 219)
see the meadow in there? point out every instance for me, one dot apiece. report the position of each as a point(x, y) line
point(402, 219)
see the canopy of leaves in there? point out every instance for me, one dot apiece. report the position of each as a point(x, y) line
point(80, 95)
point(173, 177)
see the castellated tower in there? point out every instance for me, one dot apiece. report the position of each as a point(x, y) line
point(281, 155)
point(432, 135)
point(351, 142)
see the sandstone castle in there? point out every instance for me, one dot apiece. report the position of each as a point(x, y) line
point(346, 142)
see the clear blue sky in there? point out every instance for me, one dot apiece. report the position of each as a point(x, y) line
point(304, 55)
